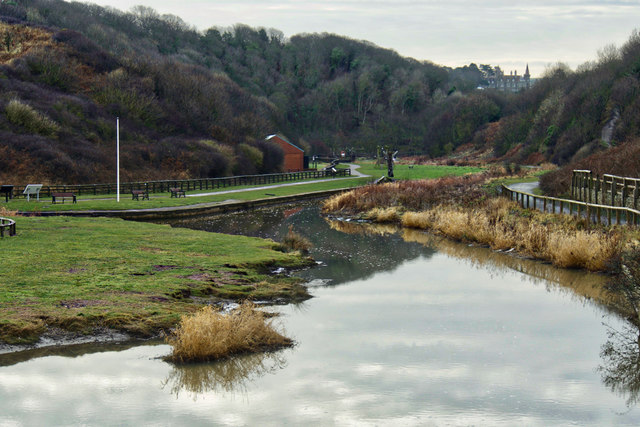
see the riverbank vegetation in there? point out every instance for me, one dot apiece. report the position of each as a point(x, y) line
point(83, 275)
point(462, 208)
point(210, 335)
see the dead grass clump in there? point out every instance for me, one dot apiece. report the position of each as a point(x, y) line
point(423, 220)
point(209, 335)
point(293, 241)
point(452, 222)
point(583, 249)
point(6, 212)
point(534, 240)
point(382, 215)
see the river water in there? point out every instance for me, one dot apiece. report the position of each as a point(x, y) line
point(404, 329)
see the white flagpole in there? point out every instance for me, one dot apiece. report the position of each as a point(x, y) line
point(118, 158)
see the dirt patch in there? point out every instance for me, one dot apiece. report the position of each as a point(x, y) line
point(201, 277)
point(81, 303)
point(164, 267)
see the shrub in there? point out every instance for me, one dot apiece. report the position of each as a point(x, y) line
point(24, 115)
point(209, 334)
point(293, 241)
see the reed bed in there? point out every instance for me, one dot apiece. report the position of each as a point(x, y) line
point(210, 335)
point(532, 235)
point(460, 209)
point(409, 195)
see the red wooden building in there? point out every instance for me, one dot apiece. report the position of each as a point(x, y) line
point(293, 155)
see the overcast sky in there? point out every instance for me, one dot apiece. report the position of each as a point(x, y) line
point(447, 32)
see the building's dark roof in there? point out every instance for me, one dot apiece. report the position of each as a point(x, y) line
point(284, 139)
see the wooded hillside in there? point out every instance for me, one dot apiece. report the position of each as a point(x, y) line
point(196, 104)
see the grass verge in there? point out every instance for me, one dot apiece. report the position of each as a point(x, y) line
point(210, 335)
point(161, 200)
point(80, 274)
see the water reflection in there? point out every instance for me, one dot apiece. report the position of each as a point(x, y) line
point(71, 350)
point(575, 283)
point(230, 375)
point(620, 355)
point(430, 332)
point(345, 257)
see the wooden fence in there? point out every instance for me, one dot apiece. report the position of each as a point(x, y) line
point(590, 211)
point(185, 184)
point(7, 226)
point(609, 190)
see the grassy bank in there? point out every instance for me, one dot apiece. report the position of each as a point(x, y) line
point(464, 209)
point(160, 200)
point(79, 274)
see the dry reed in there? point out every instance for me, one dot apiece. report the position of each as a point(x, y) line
point(457, 207)
point(382, 215)
point(502, 225)
point(209, 334)
point(6, 212)
point(293, 241)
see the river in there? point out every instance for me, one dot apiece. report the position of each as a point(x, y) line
point(404, 329)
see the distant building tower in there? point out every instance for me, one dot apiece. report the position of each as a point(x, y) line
point(511, 82)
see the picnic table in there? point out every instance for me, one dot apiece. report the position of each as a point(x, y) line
point(7, 190)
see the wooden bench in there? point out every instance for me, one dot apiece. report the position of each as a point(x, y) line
point(177, 192)
point(135, 194)
point(63, 196)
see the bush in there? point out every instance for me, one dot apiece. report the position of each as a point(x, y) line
point(24, 115)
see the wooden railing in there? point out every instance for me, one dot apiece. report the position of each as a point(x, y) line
point(590, 211)
point(609, 190)
point(185, 184)
point(7, 226)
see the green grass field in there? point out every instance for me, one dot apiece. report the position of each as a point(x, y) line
point(81, 273)
point(416, 171)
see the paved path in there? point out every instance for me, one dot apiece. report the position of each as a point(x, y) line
point(526, 187)
point(354, 174)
